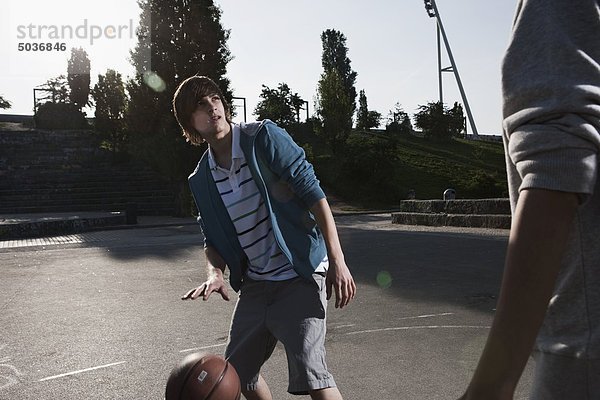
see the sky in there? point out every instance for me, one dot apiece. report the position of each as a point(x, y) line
point(391, 45)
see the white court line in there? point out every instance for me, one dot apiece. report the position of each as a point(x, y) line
point(343, 326)
point(429, 315)
point(202, 348)
point(406, 328)
point(81, 371)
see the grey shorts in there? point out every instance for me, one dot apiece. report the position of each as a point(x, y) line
point(559, 377)
point(292, 312)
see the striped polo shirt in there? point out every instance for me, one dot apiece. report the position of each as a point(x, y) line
point(250, 217)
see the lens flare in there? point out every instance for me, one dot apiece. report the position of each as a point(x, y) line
point(154, 81)
point(384, 279)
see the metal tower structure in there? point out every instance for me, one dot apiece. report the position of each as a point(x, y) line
point(433, 12)
point(236, 106)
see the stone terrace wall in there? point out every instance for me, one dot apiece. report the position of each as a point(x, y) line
point(64, 171)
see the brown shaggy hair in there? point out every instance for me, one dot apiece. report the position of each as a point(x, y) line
point(185, 101)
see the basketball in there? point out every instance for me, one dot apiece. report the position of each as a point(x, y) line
point(203, 376)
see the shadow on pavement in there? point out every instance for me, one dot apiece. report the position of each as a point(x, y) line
point(164, 242)
point(464, 269)
point(461, 269)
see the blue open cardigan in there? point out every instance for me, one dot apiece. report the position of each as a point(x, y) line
point(289, 187)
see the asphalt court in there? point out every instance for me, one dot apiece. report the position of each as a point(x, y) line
point(97, 315)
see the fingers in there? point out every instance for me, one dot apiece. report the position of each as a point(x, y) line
point(351, 291)
point(224, 293)
point(339, 296)
point(185, 296)
point(188, 295)
point(344, 293)
point(196, 292)
point(205, 291)
point(345, 290)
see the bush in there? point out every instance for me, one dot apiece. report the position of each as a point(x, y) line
point(439, 122)
point(59, 116)
point(483, 185)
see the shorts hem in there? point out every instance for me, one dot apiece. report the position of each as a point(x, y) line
point(250, 387)
point(312, 385)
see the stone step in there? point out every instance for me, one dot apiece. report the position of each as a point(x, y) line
point(33, 189)
point(68, 174)
point(478, 213)
point(493, 221)
point(108, 190)
point(459, 206)
point(30, 136)
point(94, 197)
point(57, 168)
point(29, 226)
point(101, 198)
point(27, 187)
point(153, 208)
point(56, 171)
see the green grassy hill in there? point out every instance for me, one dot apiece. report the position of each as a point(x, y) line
point(375, 170)
point(475, 169)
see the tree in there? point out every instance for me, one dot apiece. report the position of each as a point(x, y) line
point(333, 106)
point(336, 94)
point(57, 90)
point(110, 100)
point(457, 126)
point(4, 104)
point(438, 122)
point(54, 111)
point(78, 77)
point(366, 119)
point(363, 111)
point(60, 115)
point(398, 121)
point(279, 105)
point(373, 119)
point(297, 103)
point(335, 57)
point(176, 39)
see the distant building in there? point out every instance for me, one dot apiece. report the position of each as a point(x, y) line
point(15, 118)
point(484, 136)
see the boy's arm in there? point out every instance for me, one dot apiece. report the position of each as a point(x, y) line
point(338, 274)
point(215, 267)
point(537, 242)
point(288, 161)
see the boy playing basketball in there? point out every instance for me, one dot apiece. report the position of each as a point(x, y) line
point(265, 217)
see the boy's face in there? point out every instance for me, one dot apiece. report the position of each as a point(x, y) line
point(209, 119)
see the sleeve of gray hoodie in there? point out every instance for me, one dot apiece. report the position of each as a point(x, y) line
point(551, 96)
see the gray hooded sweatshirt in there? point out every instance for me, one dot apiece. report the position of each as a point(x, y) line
point(551, 88)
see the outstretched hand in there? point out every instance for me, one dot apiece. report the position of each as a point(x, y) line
point(205, 290)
